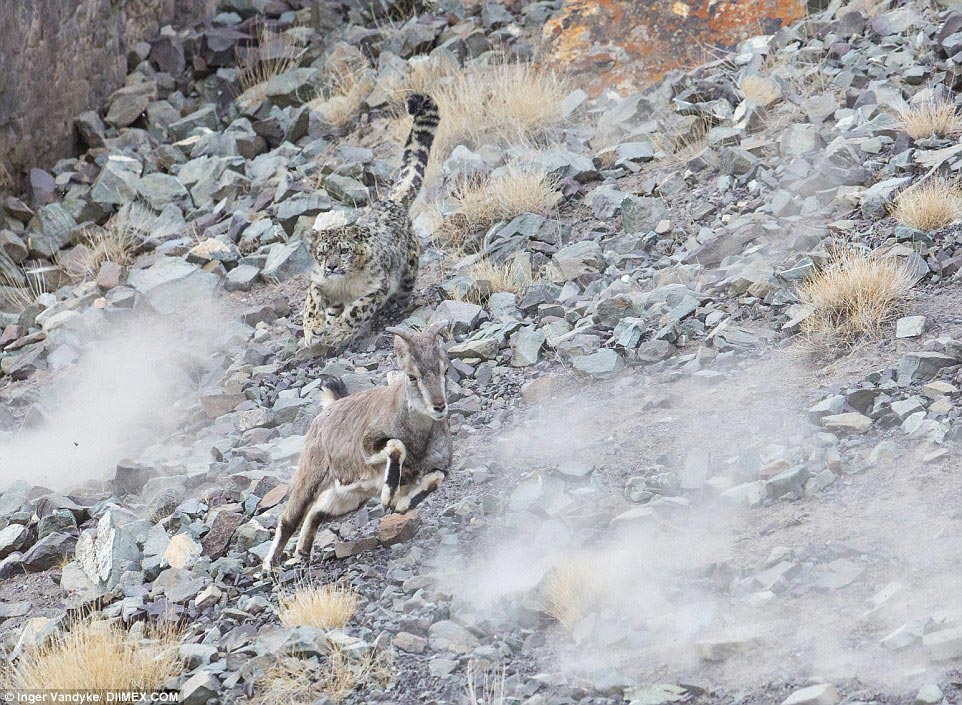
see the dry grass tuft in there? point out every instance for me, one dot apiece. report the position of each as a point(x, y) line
point(938, 118)
point(501, 102)
point(680, 147)
point(852, 298)
point(513, 276)
point(302, 682)
point(6, 179)
point(322, 606)
point(97, 656)
point(275, 54)
point(20, 288)
point(482, 202)
point(290, 680)
point(570, 591)
point(117, 243)
point(344, 673)
point(930, 205)
point(485, 685)
point(348, 86)
point(760, 90)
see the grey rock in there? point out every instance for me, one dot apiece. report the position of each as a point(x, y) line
point(798, 140)
point(851, 421)
point(922, 366)
point(203, 117)
point(13, 538)
point(160, 189)
point(876, 198)
point(464, 164)
point(481, 349)
point(287, 259)
point(526, 348)
point(105, 551)
point(461, 315)
point(13, 610)
point(441, 667)
point(605, 201)
point(117, 182)
point(604, 364)
point(13, 246)
point(200, 689)
point(48, 552)
point(346, 189)
point(127, 104)
point(449, 636)
point(255, 418)
point(577, 259)
point(213, 250)
point(822, 694)
point(910, 327)
point(929, 694)
point(634, 152)
point(171, 285)
point(197, 655)
point(91, 129)
point(241, 278)
point(641, 214)
point(906, 407)
point(789, 482)
point(411, 643)
point(562, 164)
point(944, 645)
point(60, 521)
point(750, 494)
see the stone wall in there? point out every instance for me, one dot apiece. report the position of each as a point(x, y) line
point(59, 58)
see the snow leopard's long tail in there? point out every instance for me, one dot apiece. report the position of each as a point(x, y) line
point(417, 149)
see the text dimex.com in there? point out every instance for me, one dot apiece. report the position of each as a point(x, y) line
point(43, 697)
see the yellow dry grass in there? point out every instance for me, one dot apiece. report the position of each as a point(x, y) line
point(322, 606)
point(513, 276)
point(681, 148)
point(6, 179)
point(852, 298)
point(938, 118)
point(302, 682)
point(348, 86)
point(479, 203)
point(275, 54)
point(570, 591)
point(118, 242)
point(20, 288)
point(290, 680)
point(499, 103)
point(485, 684)
point(930, 205)
point(98, 657)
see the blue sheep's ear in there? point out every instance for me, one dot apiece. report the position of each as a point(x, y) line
point(441, 328)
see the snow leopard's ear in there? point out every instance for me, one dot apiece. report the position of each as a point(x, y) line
point(330, 224)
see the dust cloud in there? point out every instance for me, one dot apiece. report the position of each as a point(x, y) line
point(134, 382)
point(679, 594)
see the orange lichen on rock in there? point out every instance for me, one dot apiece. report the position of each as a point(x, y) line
point(628, 44)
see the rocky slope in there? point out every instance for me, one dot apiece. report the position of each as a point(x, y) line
point(640, 435)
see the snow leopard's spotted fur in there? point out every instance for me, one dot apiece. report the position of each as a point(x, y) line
point(360, 268)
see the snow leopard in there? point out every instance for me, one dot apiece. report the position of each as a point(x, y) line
point(362, 267)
